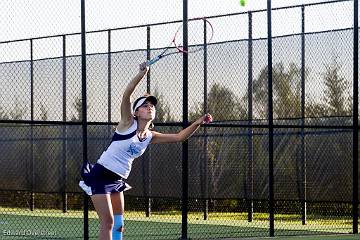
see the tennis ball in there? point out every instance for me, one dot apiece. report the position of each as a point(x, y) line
point(242, 3)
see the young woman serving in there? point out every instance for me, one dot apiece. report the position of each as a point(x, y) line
point(105, 183)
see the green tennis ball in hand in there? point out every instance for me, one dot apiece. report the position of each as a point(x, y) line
point(242, 3)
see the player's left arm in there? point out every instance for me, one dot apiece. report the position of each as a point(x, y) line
point(183, 134)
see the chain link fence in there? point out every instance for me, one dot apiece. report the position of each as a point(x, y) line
point(228, 161)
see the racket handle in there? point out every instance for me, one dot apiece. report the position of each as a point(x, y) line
point(152, 61)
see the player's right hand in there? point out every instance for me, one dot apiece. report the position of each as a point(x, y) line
point(143, 67)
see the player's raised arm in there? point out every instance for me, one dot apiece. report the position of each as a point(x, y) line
point(183, 134)
point(125, 107)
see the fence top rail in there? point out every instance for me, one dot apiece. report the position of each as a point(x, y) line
point(175, 21)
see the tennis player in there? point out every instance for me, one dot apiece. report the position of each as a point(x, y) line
point(105, 181)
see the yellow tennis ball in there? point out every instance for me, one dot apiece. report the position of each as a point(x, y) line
point(242, 3)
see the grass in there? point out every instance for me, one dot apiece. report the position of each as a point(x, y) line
point(53, 224)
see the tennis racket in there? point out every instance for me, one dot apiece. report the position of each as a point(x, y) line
point(200, 33)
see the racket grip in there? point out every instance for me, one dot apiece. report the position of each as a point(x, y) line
point(152, 61)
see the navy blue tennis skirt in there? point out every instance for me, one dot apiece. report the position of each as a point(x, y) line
point(99, 180)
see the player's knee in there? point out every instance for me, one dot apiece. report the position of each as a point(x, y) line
point(107, 223)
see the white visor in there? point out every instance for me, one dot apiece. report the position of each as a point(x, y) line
point(139, 103)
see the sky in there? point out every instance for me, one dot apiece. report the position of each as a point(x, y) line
point(35, 18)
point(38, 18)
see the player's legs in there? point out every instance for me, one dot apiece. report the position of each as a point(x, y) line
point(117, 200)
point(103, 207)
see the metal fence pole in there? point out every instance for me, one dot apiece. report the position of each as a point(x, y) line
point(303, 149)
point(84, 113)
point(148, 57)
point(109, 77)
point(204, 169)
point(32, 167)
point(109, 85)
point(147, 184)
point(250, 169)
point(271, 124)
point(64, 127)
point(185, 145)
point(355, 120)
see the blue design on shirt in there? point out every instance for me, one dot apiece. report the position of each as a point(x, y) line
point(133, 149)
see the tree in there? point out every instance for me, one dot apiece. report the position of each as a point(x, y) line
point(78, 107)
point(18, 112)
point(337, 100)
point(43, 112)
point(45, 153)
point(286, 105)
point(286, 91)
point(3, 114)
point(314, 109)
point(219, 158)
point(333, 154)
point(222, 104)
point(162, 109)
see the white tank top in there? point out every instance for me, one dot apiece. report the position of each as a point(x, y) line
point(124, 148)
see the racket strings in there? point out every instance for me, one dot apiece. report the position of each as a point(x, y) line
point(199, 34)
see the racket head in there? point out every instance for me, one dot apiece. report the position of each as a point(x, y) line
point(200, 33)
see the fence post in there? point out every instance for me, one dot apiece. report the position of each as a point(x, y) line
point(32, 168)
point(250, 186)
point(109, 77)
point(84, 113)
point(147, 174)
point(355, 120)
point(271, 124)
point(64, 140)
point(185, 145)
point(303, 149)
point(204, 168)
